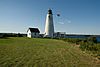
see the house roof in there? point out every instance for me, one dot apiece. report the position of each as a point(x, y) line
point(34, 30)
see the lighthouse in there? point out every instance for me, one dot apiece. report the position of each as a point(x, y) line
point(49, 26)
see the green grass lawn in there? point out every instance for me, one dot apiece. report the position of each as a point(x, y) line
point(36, 52)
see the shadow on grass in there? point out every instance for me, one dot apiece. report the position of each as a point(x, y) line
point(4, 37)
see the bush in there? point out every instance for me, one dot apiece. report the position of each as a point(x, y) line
point(72, 40)
point(86, 44)
point(90, 46)
point(92, 39)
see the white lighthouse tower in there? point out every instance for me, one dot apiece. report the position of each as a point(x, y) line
point(49, 27)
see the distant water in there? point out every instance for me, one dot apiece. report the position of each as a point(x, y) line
point(98, 39)
point(75, 36)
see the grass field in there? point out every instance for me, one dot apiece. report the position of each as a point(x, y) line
point(36, 52)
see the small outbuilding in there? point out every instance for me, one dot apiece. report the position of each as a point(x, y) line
point(33, 32)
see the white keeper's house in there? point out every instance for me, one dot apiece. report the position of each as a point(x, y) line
point(33, 32)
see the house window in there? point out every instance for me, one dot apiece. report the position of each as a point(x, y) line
point(29, 33)
point(34, 33)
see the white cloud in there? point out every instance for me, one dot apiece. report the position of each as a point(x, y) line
point(69, 21)
point(63, 21)
point(60, 22)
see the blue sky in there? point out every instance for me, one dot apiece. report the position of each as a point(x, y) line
point(76, 16)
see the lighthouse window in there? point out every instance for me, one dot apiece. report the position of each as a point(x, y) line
point(49, 16)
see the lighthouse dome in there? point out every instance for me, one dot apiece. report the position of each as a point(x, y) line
point(49, 11)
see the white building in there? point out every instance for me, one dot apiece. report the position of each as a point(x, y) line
point(33, 33)
point(49, 27)
point(60, 34)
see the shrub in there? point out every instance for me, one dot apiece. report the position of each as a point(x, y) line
point(72, 40)
point(93, 39)
point(90, 46)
